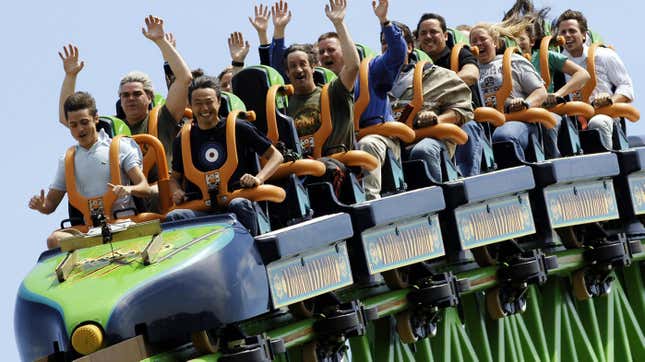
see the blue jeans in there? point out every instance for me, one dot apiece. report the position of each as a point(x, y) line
point(469, 155)
point(518, 133)
point(242, 208)
point(429, 150)
point(551, 149)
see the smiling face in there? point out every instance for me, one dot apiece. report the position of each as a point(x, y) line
point(135, 101)
point(82, 126)
point(432, 39)
point(330, 54)
point(480, 38)
point(573, 37)
point(205, 106)
point(300, 72)
point(524, 42)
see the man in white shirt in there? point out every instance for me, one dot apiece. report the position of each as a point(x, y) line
point(613, 83)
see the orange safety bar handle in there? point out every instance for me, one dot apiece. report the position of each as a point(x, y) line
point(490, 115)
point(270, 193)
point(304, 167)
point(153, 120)
point(364, 97)
point(326, 125)
point(454, 57)
point(272, 122)
point(82, 203)
point(573, 108)
point(507, 79)
point(389, 129)
point(620, 110)
point(443, 131)
point(591, 68)
point(356, 158)
point(533, 115)
point(417, 98)
point(155, 155)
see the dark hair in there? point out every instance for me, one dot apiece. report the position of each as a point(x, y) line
point(306, 48)
point(328, 35)
point(202, 82)
point(519, 9)
point(573, 15)
point(429, 16)
point(196, 73)
point(407, 33)
point(79, 101)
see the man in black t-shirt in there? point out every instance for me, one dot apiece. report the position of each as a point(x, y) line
point(208, 151)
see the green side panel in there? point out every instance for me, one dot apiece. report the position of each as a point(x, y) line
point(234, 102)
point(119, 127)
point(364, 51)
point(98, 275)
point(273, 78)
point(458, 36)
point(158, 100)
point(421, 55)
point(323, 75)
point(594, 37)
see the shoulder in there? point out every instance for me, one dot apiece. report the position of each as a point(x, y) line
point(466, 56)
point(336, 86)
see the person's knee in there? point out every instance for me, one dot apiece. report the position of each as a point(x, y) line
point(427, 149)
point(179, 214)
point(600, 121)
point(502, 134)
point(240, 204)
point(53, 240)
point(373, 146)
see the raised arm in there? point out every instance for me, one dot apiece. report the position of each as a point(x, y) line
point(261, 23)
point(238, 48)
point(177, 99)
point(72, 67)
point(281, 17)
point(335, 11)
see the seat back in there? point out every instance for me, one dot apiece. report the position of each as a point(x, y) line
point(229, 102)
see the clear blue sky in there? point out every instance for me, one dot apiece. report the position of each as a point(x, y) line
point(109, 37)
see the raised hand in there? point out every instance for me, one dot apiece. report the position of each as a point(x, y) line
point(70, 60)
point(237, 47)
point(335, 10)
point(281, 14)
point(37, 202)
point(261, 20)
point(154, 29)
point(170, 37)
point(380, 10)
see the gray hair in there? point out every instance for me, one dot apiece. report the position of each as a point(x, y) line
point(141, 77)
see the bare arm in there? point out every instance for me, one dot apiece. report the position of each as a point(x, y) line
point(469, 73)
point(238, 48)
point(72, 67)
point(579, 77)
point(537, 97)
point(177, 99)
point(335, 11)
point(261, 23)
point(274, 159)
point(46, 204)
point(177, 193)
point(281, 17)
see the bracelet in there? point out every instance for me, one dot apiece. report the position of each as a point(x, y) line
point(386, 23)
point(237, 64)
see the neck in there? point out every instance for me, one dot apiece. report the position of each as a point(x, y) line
point(577, 52)
point(207, 124)
point(306, 89)
point(91, 143)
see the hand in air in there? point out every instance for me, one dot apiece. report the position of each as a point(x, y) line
point(335, 10)
point(281, 14)
point(71, 65)
point(248, 181)
point(261, 20)
point(380, 10)
point(170, 37)
point(237, 47)
point(154, 29)
point(37, 202)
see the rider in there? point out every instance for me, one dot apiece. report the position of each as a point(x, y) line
point(613, 82)
point(135, 89)
point(208, 150)
point(92, 165)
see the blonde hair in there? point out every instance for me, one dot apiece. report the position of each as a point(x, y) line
point(141, 77)
point(507, 29)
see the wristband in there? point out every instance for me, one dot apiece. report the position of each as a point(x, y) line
point(386, 23)
point(237, 64)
